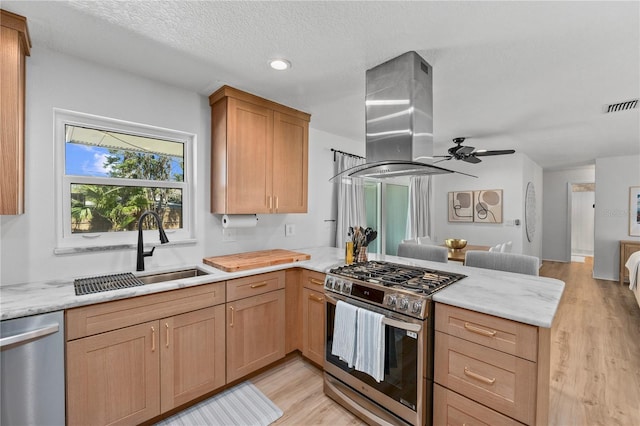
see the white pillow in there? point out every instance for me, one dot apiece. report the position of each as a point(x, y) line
point(496, 248)
point(506, 247)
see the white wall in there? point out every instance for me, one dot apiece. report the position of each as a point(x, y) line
point(556, 242)
point(614, 176)
point(511, 174)
point(55, 80)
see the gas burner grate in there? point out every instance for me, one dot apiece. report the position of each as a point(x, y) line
point(105, 283)
point(412, 278)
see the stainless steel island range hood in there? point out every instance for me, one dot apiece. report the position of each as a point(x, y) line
point(399, 120)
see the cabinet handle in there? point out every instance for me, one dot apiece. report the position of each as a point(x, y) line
point(167, 330)
point(480, 331)
point(231, 309)
point(269, 201)
point(316, 298)
point(276, 203)
point(262, 284)
point(477, 376)
point(316, 282)
point(153, 339)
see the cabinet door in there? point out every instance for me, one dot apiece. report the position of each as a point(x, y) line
point(313, 318)
point(14, 45)
point(192, 355)
point(113, 378)
point(290, 156)
point(249, 158)
point(255, 333)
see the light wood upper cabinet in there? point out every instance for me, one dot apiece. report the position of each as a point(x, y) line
point(15, 45)
point(259, 155)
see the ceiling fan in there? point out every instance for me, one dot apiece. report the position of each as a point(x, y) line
point(468, 153)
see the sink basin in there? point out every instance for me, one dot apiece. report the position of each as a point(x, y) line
point(169, 276)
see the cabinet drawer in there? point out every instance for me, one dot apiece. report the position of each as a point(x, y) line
point(313, 280)
point(452, 409)
point(255, 284)
point(500, 381)
point(502, 334)
point(94, 319)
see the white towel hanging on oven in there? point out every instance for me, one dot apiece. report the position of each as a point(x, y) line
point(344, 332)
point(370, 347)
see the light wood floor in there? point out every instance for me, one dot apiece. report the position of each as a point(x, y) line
point(595, 361)
point(595, 350)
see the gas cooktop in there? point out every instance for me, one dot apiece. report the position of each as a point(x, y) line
point(402, 288)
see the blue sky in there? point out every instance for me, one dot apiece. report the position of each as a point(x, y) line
point(85, 160)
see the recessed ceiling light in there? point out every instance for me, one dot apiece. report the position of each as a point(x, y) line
point(279, 64)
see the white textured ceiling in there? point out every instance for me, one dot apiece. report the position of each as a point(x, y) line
point(533, 76)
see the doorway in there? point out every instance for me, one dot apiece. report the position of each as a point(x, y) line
point(582, 220)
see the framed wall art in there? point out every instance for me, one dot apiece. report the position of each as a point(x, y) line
point(487, 206)
point(461, 206)
point(634, 211)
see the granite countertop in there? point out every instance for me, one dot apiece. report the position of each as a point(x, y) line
point(523, 298)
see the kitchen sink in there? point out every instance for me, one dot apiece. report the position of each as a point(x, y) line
point(169, 276)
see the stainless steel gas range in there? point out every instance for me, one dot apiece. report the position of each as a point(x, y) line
point(402, 294)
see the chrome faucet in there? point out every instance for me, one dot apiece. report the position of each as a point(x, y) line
point(163, 239)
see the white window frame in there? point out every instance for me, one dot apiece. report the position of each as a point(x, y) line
point(67, 242)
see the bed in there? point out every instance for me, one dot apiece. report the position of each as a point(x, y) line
point(633, 265)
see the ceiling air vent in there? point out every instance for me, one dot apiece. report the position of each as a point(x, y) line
point(621, 106)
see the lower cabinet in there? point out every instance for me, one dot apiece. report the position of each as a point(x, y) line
point(255, 333)
point(127, 363)
point(313, 325)
point(114, 377)
point(192, 355)
point(313, 316)
point(488, 369)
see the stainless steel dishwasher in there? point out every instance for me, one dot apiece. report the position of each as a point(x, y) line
point(32, 362)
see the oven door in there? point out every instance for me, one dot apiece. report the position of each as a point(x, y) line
point(403, 390)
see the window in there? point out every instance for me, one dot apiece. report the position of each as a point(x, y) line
point(109, 172)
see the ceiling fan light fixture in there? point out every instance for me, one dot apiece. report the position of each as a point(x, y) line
point(279, 64)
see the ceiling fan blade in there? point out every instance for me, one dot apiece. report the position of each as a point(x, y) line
point(471, 159)
point(465, 150)
point(496, 152)
point(446, 158)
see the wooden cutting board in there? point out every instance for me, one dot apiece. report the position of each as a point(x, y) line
point(254, 259)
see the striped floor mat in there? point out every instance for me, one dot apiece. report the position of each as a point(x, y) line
point(242, 405)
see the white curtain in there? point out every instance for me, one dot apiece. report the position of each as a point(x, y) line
point(419, 220)
point(351, 207)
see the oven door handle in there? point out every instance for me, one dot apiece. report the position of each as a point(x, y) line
point(402, 325)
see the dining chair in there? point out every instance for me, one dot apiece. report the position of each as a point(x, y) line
point(423, 251)
point(509, 262)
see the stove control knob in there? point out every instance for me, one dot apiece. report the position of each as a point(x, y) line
point(391, 300)
point(328, 282)
point(338, 285)
point(346, 288)
point(417, 307)
point(403, 303)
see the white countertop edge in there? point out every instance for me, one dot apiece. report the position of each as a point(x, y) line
point(486, 291)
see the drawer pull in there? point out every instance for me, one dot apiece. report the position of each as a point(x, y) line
point(477, 376)
point(480, 331)
point(262, 284)
point(316, 298)
point(153, 339)
point(316, 282)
